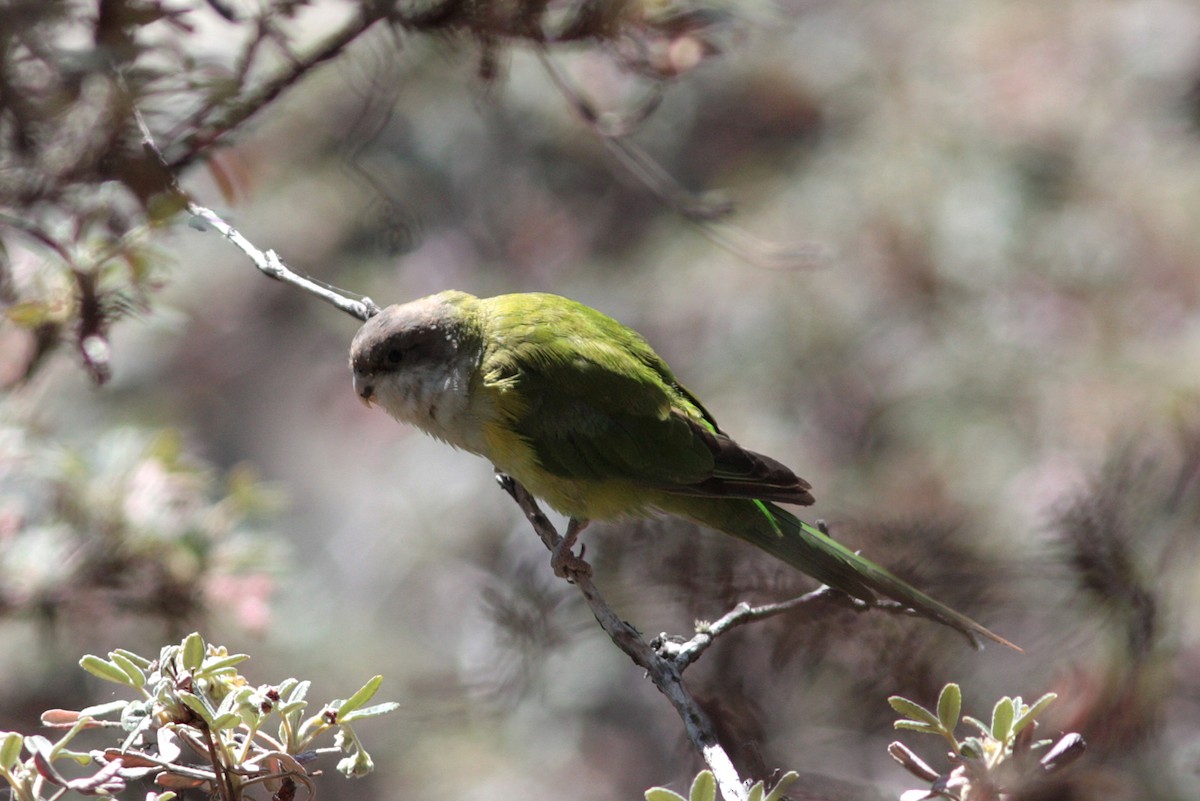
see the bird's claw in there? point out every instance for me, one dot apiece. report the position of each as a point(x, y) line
point(566, 564)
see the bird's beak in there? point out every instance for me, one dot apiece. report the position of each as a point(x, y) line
point(364, 390)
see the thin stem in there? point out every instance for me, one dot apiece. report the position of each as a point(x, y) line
point(224, 780)
point(268, 262)
point(235, 115)
point(684, 654)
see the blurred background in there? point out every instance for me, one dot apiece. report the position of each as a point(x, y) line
point(989, 369)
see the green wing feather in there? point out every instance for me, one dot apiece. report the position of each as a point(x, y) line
point(599, 404)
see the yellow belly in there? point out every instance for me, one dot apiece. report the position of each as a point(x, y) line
point(586, 500)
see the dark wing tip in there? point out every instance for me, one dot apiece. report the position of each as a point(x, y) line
point(741, 473)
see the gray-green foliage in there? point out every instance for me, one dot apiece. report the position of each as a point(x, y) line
point(242, 740)
point(704, 788)
point(129, 520)
point(1001, 756)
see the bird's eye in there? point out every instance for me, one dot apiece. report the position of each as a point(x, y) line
point(394, 356)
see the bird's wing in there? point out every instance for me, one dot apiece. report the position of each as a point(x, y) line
point(600, 404)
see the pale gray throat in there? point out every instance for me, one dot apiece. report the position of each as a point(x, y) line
point(436, 398)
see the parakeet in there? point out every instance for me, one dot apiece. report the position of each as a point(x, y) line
point(580, 410)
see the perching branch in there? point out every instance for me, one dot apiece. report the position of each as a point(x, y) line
point(666, 673)
point(665, 658)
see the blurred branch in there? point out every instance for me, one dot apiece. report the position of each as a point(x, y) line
point(709, 211)
point(196, 143)
point(666, 673)
point(268, 262)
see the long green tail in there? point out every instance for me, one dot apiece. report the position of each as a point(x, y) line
point(790, 539)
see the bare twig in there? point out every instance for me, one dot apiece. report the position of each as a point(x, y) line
point(666, 673)
point(199, 141)
point(685, 653)
point(268, 262)
point(271, 265)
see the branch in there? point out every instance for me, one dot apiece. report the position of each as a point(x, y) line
point(272, 266)
point(268, 262)
point(197, 143)
point(666, 673)
point(683, 654)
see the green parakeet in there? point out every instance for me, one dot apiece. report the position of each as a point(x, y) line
point(580, 410)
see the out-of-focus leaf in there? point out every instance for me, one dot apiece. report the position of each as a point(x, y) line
point(1002, 719)
point(10, 748)
point(369, 712)
point(102, 668)
point(193, 652)
point(704, 787)
point(913, 710)
point(663, 794)
point(360, 697)
point(1033, 711)
point(949, 706)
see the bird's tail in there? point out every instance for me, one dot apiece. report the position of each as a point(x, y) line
point(790, 539)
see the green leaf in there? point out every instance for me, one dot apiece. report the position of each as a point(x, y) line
point(136, 659)
point(785, 781)
point(949, 706)
point(135, 674)
point(984, 729)
point(290, 707)
point(135, 715)
point(972, 748)
point(913, 710)
point(100, 710)
point(359, 698)
point(917, 725)
point(1002, 719)
point(102, 668)
point(10, 749)
point(369, 712)
point(235, 700)
point(80, 757)
point(219, 664)
point(356, 765)
point(29, 313)
point(1032, 712)
point(193, 652)
point(229, 720)
point(197, 705)
point(756, 792)
point(288, 686)
point(704, 787)
point(663, 794)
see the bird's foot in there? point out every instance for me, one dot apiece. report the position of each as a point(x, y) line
point(566, 564)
